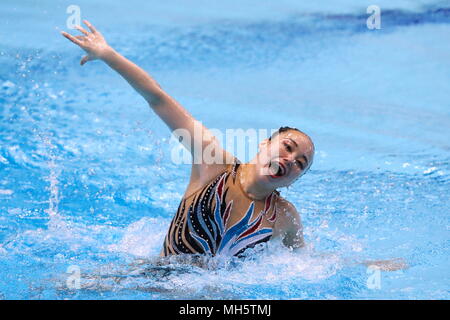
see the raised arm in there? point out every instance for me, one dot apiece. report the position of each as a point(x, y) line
point(170, 111)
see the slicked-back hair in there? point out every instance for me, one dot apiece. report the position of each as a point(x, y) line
point(284, 129)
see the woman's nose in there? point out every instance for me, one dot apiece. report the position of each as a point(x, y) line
point(289, 161)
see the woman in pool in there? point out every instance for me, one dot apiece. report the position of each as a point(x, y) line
point(227, 206)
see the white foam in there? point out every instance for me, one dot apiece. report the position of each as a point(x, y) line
point(142, 238)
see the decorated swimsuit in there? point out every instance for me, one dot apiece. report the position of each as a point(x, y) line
point(221, 219)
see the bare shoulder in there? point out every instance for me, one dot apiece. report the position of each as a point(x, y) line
point(285, 209)
point(288, 217)
point(214, 161)
point(288, 225)
point(203, 173)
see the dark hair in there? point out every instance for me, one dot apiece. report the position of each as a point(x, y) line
point(284, 129)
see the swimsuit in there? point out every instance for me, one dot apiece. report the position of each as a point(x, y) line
point(220, 219)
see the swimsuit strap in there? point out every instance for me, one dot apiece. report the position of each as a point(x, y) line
point(235, 165)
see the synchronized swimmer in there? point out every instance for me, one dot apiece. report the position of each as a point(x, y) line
point(227, 206)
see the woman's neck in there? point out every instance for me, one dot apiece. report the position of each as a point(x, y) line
point(251, 183)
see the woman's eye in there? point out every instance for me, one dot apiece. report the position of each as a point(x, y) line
point(299, 164)
point(288, 147)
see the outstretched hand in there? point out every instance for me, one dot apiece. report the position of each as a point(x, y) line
point(92, 42)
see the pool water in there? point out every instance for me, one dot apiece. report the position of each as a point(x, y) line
point(87, 186)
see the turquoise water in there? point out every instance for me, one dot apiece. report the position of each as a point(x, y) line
point(86, 179)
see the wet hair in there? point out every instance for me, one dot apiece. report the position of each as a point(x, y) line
point(286, 128)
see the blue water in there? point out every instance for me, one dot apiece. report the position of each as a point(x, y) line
point(86, 179)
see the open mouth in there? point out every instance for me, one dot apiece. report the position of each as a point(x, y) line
point(277, 169)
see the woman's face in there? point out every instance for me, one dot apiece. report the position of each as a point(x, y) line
point(285, 158)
